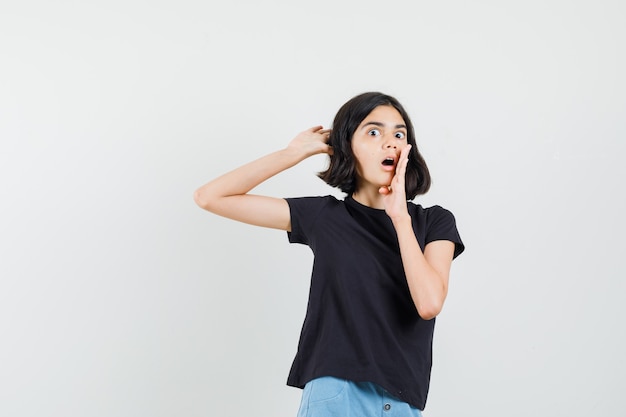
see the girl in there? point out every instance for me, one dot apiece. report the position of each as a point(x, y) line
point(381, 263)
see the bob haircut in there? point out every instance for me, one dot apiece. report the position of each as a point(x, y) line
point(341, 171)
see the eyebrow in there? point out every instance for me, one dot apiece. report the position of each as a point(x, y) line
point(379, 124)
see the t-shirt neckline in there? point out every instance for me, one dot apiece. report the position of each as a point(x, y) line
point(360, 206)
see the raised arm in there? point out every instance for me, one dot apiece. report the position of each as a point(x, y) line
point(228, 195)
point(427, 273)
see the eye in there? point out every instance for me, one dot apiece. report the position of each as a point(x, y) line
point(400, 135)
point(374, 132)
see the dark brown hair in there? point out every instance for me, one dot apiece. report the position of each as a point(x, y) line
point(341, 171)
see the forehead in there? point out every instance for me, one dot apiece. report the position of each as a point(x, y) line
point(385, 114)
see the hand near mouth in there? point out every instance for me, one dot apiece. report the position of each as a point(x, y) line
point(395, 193)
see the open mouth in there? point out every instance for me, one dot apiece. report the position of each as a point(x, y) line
point(388, 162)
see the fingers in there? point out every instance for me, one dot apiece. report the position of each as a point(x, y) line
point(403, 162)
point(319, 129)
point(386, 190)
point(325, 134)
point(398, 179)
point(318, 133)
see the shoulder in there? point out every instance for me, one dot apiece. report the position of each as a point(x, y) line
point(313, 201)
point(438, 223)
point(311, 206)
point(326, 199)
point(430, 213)
point(306, 212)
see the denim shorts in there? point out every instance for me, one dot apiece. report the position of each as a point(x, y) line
point(333, 397)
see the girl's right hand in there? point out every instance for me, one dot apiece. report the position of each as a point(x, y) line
point(312, 141)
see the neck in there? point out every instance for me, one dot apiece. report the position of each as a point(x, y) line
point(369, 197)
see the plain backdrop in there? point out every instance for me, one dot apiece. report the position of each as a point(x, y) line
point(120, 297)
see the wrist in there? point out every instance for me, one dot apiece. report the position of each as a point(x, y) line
point(294, 154)
point(401, 220)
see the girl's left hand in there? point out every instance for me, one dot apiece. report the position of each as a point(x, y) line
point(395, 193)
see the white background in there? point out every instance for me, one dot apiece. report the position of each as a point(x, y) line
point(120, 297)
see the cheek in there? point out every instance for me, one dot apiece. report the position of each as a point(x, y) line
point(357, 154)
point(359, 163)
point(361, 160)
point(364, 154)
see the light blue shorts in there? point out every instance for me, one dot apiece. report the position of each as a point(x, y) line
point(333, 397)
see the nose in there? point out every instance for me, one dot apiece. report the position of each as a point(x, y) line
point(390, 142)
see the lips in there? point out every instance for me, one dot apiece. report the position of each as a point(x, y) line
point(389, 162)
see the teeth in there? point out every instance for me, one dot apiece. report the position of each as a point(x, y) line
point(388, 161)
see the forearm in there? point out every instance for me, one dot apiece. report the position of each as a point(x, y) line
point(243, 179)
point(427, 286)
point(228, 195)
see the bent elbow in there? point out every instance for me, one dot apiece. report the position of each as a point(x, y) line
point(430, 311)
point(201, 200)
point(429, 315)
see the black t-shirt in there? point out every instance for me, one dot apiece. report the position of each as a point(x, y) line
point(361, 323)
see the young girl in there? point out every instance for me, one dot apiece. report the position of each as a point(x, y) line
point(381, 263)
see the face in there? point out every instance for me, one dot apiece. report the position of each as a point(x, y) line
point(376, 145)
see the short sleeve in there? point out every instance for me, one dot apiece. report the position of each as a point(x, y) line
point(303, 212)
point(441, 225)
